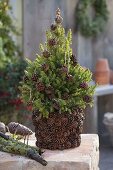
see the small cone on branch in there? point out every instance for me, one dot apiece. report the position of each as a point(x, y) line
point(64, 70)
point(56, 105)
point(49, 90)
point(40, 86)
point(52, 42)
point(46, 54)
point(65, 96)
point(87, 99)
point(74, 60)
point(69, 78)
point(53, 27)
point(34, 77)
point(58, 18)
point(45, 67)
point(25, 78)
point(29, 103)
point(84, 85)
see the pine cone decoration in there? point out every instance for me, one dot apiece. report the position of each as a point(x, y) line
point(36, 113)
point(68, 145)
point(78, 110)
point(34, 77)
point(52, 42)
point(29, 103)
point(65, 96)
point(59, 131)
point(58, 122)
point(45, 67)
point(51, 96)
point(87, 99)
point(50, 121)
point(25, 78)
point(74, 60)
point(84, 85)
point(69, 78)
point(64, 121)
point(19, 129)
point(46, 54)
point(53, 27)
point(49, 90)
point(56, 105)
point(2, 127)
point(64, 70)
point(58, 18)
point(40, 86)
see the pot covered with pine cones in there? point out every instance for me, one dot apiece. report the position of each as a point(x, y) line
point(58, 89)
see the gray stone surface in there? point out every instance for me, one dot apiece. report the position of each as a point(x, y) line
point(106, 158)
point(85, 157)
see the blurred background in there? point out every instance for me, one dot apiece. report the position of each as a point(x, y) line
point(22, 28)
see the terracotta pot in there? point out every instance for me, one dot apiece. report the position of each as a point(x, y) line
point(111, 76)
point(59, 131)
point(102, 73)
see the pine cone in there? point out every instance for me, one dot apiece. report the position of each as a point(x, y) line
point(58, 18)
point(50, 121)
point(68, 144)
point(29, 103)
point(73, 125)
point(2, 127)
point(53, 27)
point(58, 122)
point(52, 42)
point(19, 129)
point(78, 110)
point(56, 105)
point(40, 86)
point(51, 96)
point(64, 121)
point(84, 85)
point(36, 113)
point(69, 78)
point(87, 99)
point(74, 60)
point(64, 70)
point(49, 90)
point(34, 77)
point(46, 54)
point(65, 96)
point(45, 67)
point(25, 78)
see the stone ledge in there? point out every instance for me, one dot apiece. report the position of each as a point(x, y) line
point(85, 157)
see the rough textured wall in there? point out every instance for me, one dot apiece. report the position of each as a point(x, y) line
point(103, 45)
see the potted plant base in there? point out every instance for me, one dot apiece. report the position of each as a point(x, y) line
point(59, 131)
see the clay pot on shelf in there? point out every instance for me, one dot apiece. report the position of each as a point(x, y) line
point(102, 72)
point(111, 76)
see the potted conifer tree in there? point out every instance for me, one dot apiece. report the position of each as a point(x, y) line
point(58, 89)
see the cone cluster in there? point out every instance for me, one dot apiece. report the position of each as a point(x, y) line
point(59, 131)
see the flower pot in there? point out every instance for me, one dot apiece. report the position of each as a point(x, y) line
point(59, 131)
point(111, 76)
point(102, 73)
